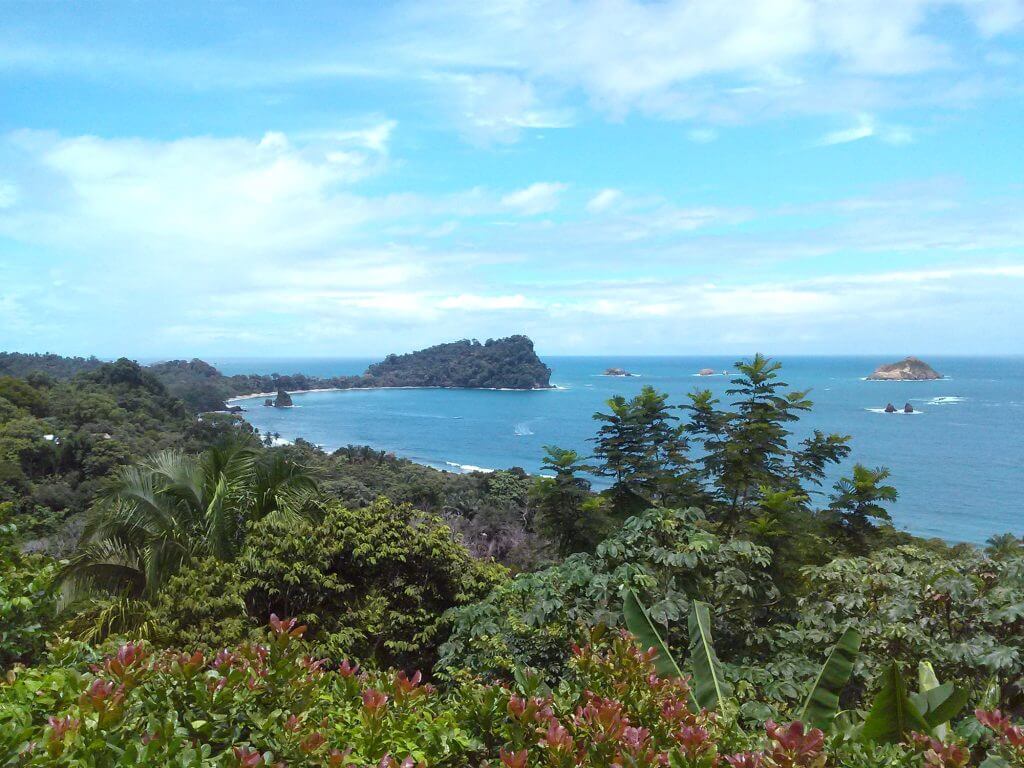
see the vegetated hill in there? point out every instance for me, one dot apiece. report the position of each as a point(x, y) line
point(21, 364)
point(62, 441)
point(509, 363)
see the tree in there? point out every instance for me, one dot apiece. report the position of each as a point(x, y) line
point(566, 514)
point(643, 448)
point(746, 451)
point(169, 510)
point(857, 502)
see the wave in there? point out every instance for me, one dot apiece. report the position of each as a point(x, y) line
point(950, 400)
point(467, 467)
point(522, 429)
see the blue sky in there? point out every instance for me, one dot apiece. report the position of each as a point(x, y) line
point(664, 177)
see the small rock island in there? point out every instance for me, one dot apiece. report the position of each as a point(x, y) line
point(706, 372)
point(283, 399)
point(908, 369)
point(617, 372)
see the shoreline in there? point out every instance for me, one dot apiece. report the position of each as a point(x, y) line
point(255, 395)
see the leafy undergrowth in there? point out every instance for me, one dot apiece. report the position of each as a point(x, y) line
point(272, 704)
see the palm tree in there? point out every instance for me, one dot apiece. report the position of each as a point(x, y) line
point(165, 512)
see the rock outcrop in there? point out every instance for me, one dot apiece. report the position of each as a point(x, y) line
point(616, 372)
point(908, 369)
point(908, 408)
point(283, 399)
point(890, 408)
point(706, 372)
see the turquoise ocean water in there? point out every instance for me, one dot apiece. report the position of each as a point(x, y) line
point(958, 462)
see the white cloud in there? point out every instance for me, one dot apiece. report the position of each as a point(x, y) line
point(703, 59)
point(8, 194)
point(604, 200)
point(702, 135)
point(866, 127)
point(495, 107)
point(476, 303)
point(540, 197)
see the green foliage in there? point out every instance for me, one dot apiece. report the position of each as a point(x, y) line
point(710, 689)
point(643, 449)
point(857, 501)
point(566, 513)
point(371, 583)
point(643, 629)
point(822, 703)
point(61, 441)
point(27, 600)
point(893, 716)
point(172, 509)
point(271, 703)
point(961, 611)
point(669, 557)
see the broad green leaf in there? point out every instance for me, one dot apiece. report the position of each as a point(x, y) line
point(709, 687)
point(640, 624)
point(938, 704)
point(893, 715)
point(822, 702)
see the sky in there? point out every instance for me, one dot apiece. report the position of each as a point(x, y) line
point(351, 179)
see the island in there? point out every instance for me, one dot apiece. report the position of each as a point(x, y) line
point(706, 372)
point(617, 372)
point(908, 369)
point(508, 363)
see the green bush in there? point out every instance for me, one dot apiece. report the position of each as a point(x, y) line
point(27, 600)
point(373, 583)
point(668, 556)
point(270, 703)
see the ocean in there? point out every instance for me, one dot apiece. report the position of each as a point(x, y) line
point(957, 461)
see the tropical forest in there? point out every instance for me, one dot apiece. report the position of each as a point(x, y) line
point(176, 589)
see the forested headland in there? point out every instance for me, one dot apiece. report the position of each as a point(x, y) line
point(176, 591)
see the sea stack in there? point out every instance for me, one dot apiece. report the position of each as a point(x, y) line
point(908, 408)
point(890, 408)
point(283, 399)
point(706, 372)
point(908, 369)
point(268, 403)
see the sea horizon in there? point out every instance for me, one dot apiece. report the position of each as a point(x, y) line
point(971, 418)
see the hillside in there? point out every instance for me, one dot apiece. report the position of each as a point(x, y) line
point(509, 363)
point(60, 368)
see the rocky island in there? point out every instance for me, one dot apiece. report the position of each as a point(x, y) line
point(706, 372)
point(908, 369)
point(617, 372)
point(509, 363)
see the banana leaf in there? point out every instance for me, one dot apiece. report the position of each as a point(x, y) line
point(893, 715)
point(822, 702)
point(709, 686)
point(640, 624)
point(938, 704)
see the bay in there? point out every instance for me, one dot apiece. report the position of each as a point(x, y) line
point(958, 461)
